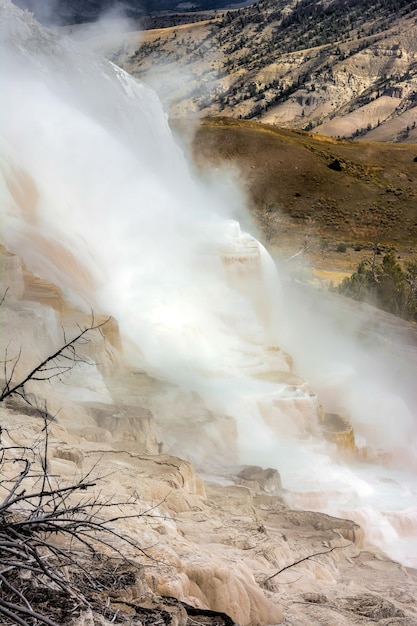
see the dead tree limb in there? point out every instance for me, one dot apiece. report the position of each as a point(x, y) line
point(53, 366)
point(57, 542)
point(54, 543)
point(4, 296)
point(305, 558)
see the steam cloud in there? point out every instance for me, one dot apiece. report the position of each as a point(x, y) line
point(98, 198)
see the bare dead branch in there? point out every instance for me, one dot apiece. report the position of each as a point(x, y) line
point(305, 558)
point(22, 609)
point(18, 482)
point(12, 615)
point(50, 367)
point(47, 538)
point(55, 539)
point(4, 296)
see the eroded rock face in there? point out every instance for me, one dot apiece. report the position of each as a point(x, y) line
point(331, 102)
point(228, 548)
point(129, 426)
point(210, 436)
point(339, 430)
point(261, 479)
point(226, 543)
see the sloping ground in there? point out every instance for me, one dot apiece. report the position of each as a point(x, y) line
point(341, 69)
point(313, 192)
point(215, 548)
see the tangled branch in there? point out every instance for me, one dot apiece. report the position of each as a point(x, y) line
point(305, 558)
point(52, 544)
point(55, 365)
point(57, 543)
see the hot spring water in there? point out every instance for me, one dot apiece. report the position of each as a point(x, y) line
point(99, 199)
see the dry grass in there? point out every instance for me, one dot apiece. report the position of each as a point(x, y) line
point(297, 197)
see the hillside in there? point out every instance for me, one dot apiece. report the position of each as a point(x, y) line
point(315, 193)
point(186, 437)
point(341, 69)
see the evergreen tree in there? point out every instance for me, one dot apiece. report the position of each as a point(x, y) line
point(388, 286)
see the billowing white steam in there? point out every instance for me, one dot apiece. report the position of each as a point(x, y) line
point(97, 197)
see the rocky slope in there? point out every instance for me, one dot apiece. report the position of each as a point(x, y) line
point(217, 543)
point(342, 69)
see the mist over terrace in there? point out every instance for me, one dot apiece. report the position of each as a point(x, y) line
point(99, 199)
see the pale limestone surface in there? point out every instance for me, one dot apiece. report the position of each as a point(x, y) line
point(218, 537)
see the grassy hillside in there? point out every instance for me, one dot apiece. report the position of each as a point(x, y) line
point(319, 193)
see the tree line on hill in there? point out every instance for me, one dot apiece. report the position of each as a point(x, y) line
point(389, 286)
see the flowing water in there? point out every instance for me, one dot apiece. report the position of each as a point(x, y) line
point(98, 198)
